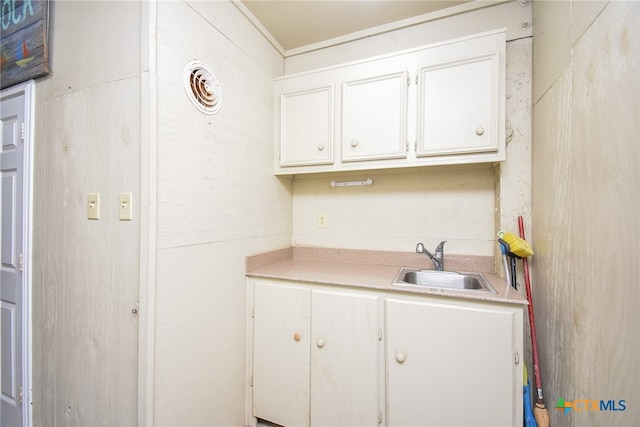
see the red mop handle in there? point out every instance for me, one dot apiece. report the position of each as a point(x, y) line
point(532, 323)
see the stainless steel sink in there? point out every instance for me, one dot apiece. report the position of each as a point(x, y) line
point(462, 281)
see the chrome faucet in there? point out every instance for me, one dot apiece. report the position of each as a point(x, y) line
point(438, 258)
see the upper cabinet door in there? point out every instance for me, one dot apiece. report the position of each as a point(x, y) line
point(374, 117)
point(307, 126)
point(458, 108)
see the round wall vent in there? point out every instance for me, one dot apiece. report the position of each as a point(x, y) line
point(203, 89)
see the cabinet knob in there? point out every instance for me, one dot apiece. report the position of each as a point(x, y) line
point(401, 357)
point(480, 131)
point(320, 343)
point(296, 337)
point(354, 143)
point(320, 147)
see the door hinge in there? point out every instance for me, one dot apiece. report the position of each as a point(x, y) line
point(379, 334)
point(253, 313)
point(22, 131)
point(21, 262)
point(379, 417)
point(20, 394)
point(251, 381)
point(517, 358)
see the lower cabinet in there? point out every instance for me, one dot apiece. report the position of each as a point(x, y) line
point(336, 356)
point(281, 328)
point(452, 364)
point(315, 356)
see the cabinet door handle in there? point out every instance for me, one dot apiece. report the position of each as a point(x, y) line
point(480, 131)
point(320, 343)
point(354, 143)
point(296, 337)
point(401, 357)
point(320, 147)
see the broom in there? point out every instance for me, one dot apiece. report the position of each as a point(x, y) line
point(540, 411)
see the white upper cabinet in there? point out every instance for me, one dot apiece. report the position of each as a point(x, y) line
point(374, 118)
point(306, 123)
point(436, 105)
point(458, 100)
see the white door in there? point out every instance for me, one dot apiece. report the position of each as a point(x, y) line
point(13, 286)
point(306, 126)
point(458, 106)
point(344, 359)
point(281, 353)
point(374, 117)
point(450, 364)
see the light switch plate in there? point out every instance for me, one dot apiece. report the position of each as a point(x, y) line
point(93, 206)
point(126, 212)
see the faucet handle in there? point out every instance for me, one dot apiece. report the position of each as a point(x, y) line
point(437, 258)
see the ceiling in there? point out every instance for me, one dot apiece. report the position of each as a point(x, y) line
point(297, 23)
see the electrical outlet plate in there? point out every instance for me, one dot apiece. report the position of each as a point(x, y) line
point(126, 212)
point(93, 206)
point(322, 220)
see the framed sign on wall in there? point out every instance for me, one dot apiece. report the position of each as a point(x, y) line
point(23, 42)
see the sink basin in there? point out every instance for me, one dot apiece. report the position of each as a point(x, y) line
point(454, 280)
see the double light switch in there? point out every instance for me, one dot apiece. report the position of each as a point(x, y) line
point(124, 206)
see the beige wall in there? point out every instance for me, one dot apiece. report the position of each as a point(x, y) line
point(85, 273)
point(585, 212)
point(398, 211)
point(114, 117)
point(514, 16)
point(218, 201)
point(465, 206)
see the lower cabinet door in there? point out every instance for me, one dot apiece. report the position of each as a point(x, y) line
point(281, 353)
point(345, 365)
point(450, 364)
